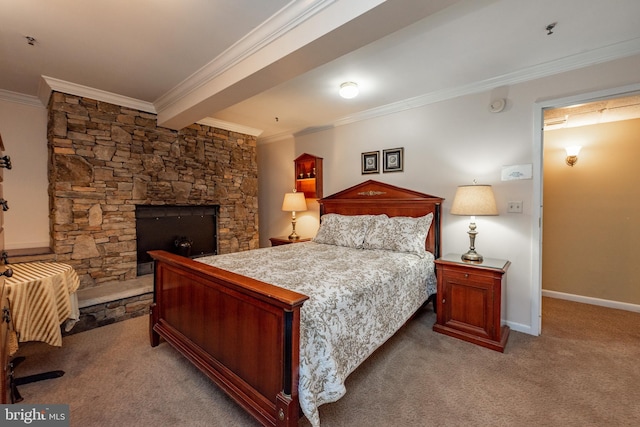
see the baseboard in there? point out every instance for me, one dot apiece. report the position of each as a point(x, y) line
point(519, 327)
point(593, 301)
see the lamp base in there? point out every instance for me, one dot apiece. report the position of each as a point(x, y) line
point(293, 235)
point(472, 256)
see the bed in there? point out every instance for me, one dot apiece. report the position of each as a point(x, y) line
point(256, 322)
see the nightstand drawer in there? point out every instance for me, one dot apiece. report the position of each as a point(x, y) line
point(464, 276)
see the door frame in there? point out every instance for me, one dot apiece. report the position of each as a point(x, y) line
point(538, 183)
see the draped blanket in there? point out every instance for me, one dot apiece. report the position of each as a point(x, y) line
point(358, 298)
point(42, 296)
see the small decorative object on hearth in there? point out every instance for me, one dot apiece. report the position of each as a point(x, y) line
point(183, 245)
point(474, 200)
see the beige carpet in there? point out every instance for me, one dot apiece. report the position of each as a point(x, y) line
point(583, 370)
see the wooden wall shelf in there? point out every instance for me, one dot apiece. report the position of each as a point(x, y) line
point(308, 178)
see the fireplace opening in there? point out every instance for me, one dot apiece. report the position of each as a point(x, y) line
point(190, 231)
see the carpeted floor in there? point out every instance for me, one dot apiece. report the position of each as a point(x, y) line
point(582, 371)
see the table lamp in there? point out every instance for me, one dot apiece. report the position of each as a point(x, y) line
point(473, 200)
point(294, 202)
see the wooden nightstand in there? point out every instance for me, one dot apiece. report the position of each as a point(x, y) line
point(284, 240)
point(471, 300)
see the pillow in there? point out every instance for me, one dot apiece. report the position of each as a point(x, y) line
point(398, 234)
point(343, 230)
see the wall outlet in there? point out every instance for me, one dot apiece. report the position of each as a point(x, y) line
point(514, 207)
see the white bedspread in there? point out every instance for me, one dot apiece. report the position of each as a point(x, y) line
point(358, 299)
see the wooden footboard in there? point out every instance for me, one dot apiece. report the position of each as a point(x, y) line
point(242, 333)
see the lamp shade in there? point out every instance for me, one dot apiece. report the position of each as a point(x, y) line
point(474, 200)
point(574, 150)
point(294, 202)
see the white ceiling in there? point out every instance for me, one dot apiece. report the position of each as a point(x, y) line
point(591, 113)
point(273, 68)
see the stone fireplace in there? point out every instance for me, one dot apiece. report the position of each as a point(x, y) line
point(107, 159)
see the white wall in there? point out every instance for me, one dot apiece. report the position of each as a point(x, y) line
point(446, 144)
point(24, 133)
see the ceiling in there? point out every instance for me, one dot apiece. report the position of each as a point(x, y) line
point(273, 68)
point(591, 113)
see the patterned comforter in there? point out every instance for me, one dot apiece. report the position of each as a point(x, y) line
point(358, 298)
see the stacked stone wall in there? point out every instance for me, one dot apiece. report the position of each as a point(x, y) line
point(105, 159)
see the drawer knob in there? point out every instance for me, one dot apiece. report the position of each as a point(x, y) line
point(444, 300)
point(466, 275)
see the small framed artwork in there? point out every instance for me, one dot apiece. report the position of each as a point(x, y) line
point(370, 163)
point(393, 160)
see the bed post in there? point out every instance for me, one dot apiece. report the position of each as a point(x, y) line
point(288, 326)
point(436, 215)
point(154, 316)
point(287, 405)
point(153, 319)
point(286, 411)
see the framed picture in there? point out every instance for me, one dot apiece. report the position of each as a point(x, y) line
point(370, 162)
point(393, 160)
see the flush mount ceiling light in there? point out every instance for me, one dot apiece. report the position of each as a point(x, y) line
point(348, 90)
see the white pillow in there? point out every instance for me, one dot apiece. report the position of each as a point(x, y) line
point(399, 234)
point(343, 230)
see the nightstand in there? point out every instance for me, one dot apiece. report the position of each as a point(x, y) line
point(471, 300)
point(284, 240)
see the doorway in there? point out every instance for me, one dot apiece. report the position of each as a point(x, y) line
point(537, 217)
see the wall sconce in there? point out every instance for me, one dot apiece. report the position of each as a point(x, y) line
point(294, 202)
point(349, 90)
point(572, 154)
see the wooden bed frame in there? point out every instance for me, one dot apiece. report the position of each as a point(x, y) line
point(244, 334)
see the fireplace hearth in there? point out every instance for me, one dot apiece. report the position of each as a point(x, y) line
point(184, 230)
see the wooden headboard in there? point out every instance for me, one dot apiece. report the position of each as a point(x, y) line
point(375, 198)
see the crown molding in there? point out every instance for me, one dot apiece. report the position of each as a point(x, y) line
point(573, 62)
point(286, 19)
point(20, 98)
point(569, 63)
point(288, 134)
point(232, 127)
point(49, 84)
point(275, 138)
